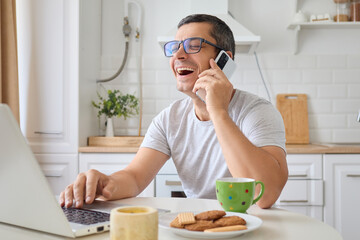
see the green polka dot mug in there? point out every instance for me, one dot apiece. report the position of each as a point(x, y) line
point(237, 194)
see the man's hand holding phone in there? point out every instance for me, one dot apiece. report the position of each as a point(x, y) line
point(216, 86)
point(226, 65)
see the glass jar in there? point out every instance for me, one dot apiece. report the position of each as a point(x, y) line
point(355, 10)
point(342, 11)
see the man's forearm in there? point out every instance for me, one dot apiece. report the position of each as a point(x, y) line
point(126, 185)
point(246, 160)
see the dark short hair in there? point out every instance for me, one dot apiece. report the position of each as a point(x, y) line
point(221, 32)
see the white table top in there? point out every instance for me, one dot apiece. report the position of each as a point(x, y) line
point(277, 223)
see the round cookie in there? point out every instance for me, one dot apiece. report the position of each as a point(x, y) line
point(230, 221)
point(201, 225)
point(210, 215)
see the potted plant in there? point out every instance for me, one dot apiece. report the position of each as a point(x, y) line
point(116, 105)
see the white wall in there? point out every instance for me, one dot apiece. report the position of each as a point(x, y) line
point(327, 67)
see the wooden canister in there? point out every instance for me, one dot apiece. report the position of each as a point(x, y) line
point(355, 11)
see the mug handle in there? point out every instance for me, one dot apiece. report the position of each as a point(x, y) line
point(261, 191)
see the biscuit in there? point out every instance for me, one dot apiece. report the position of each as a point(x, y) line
point(210, 215)
point(176, 224)
point(227, 229)
point(201, 225)
point(186, 218)
point(230, 221)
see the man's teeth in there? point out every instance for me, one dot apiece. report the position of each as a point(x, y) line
point(184, 70)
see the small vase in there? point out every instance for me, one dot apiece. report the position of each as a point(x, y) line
point(109, 128)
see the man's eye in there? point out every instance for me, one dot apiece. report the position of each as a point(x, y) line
point(194, 46)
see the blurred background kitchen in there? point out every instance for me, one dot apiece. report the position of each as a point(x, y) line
point(326, 66)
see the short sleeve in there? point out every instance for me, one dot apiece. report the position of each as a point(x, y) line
point(155, 137)
point(264, 126)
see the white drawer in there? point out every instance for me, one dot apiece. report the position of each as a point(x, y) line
point(109, 163)
point(59, 169)
point(305, 166)
point(302, 192)
point(106, 163)
point(166, 185)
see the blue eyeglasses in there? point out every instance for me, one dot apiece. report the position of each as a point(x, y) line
point(191, 46)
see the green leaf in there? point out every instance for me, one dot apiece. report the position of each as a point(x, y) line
point(117, 104)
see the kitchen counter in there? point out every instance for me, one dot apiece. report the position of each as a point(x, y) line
point(93, 149)
point(319, 148)
point(322, 148)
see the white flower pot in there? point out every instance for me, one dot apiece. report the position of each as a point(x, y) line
point(109, 128)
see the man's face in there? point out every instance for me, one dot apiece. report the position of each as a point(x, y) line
point(187, 67)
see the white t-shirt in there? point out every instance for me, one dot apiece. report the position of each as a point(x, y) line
point(194, 147)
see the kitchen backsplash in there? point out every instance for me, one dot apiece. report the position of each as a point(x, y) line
point(332, 83)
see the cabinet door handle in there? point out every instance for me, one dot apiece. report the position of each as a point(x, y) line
point(294, 201)
point(172, 183)
point(53, 173)
point(298, 175)
point(353, 175)
point(54, 133)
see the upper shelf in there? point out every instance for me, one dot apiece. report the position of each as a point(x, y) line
point(309, 7)
point(324, 25)
point(319, 25)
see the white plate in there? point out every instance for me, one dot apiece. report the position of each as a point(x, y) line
point(252, 223)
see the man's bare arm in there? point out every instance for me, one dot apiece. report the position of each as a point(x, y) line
point(267, 164)
point(128, 182)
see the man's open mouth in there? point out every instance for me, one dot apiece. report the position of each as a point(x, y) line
point(184, 71)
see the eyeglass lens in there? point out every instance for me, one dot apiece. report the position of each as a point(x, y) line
point(191, 45)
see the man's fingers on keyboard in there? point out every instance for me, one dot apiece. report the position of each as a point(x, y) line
point(92, 182)
point(79, 187)
point(62, 199)
point(68, 195)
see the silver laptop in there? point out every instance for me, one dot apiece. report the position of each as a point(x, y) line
point(26, 198)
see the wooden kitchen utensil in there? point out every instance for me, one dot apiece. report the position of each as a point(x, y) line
point(293, 108)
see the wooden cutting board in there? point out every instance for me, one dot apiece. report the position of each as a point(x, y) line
point(293, 108)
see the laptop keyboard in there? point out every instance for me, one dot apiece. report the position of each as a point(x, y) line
point(84, 216)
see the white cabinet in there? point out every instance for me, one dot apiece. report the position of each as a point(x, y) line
point(342, 195)
point(59, 169)
point(169, 185)
point(167, 182)
point(304, 166)
point(48, 74)
point(48, 83)
point(303, 192)
point(109, 163)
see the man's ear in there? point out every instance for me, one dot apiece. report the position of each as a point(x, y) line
point(230, 54)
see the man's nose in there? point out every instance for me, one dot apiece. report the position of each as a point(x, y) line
point(180, 53)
